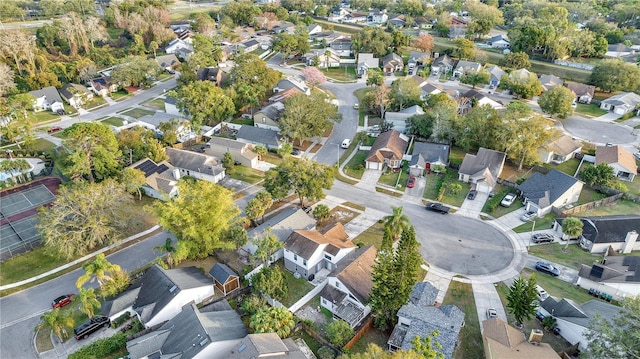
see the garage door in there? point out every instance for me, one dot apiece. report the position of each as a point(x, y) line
point(373, 165)
point(483, 187)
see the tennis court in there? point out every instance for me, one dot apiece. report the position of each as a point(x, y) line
point(22, 201)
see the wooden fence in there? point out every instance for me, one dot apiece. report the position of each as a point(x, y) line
point(363, 329)
point(588, 206)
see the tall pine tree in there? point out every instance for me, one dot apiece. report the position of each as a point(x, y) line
point(407, 264)
point(384, 288)
point(522, 298)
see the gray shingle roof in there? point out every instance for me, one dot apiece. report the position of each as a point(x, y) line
point(575, 313)
point(429, 152)
point(332, 294)
point(66, 90)
point(258, 135)
point(545, 189)
point(496, 73)
point(265, 345)
point(195, 162)
point(608, 229)
point(120, 303)
point(273, 111)
point(616, 270)
point(485, 159)
point(443, 60)
point(282, 225)
point(221, 273)
point(49, 92)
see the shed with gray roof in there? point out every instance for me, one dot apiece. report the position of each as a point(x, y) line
point(260, 345)
point(282, 226)
point(225, 279)
point(542, 192)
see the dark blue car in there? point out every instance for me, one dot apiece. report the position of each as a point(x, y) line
point(545, 267)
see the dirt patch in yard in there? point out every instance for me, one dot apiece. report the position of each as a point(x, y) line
point(338, 214)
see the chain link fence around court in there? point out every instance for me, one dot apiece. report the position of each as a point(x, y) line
point(18, 220)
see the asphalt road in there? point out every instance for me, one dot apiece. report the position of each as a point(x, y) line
point(598, 132)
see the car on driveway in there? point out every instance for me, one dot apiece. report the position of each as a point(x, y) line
point(472, 194)
point(545, 267)
point(529, 216)
point(411, 182)
point(492, 313)
point(508, 200)
point(91, 326)
point(61, 301)
point(542, 238)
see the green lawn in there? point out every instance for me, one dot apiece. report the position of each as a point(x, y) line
point(164, 77)
point(569, 167)
point(388, 192)
point(156, 104)
point(246, 174)
point(371, 336)
point(42, 145)
point(591, 110)
point(272, 158)
point(621, 207)
point(137, 112)
point(498, 210)
point(559, 288)
point(28, 265)
point(243, 121)
point(297, 288)
point(572, 257)
point(96, 101)
point(632, 187)
point(357, 159)
point(372, 236)
point(431, 192)
point(341, 73)
point(390, 178)
point(541, 223)
point(120, 95)
point(470, 340)
point(43, 340)
point(589, 195)
point(45, 116)
point(113, 121)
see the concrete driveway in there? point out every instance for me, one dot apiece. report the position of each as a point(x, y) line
point(473, 207)
point(369, 180)
point(607, 117)
point(415, 194)
point(486, 297)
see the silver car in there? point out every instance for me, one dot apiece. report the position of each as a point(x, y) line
point(529, 216)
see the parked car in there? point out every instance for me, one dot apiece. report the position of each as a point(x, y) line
point(356, 106)
point(472, 194)
point(508, 200)
point(542, 294)
point(345, 143)
point(528, 216)
point(637, 156)
point(61, 301)
point(295, 151)
point(545, 267)
point(411, 182)
point(91, 326)
point(437, 207)
point(54, 129)
point(542, 238)
point(540, 316)
point(492, 313)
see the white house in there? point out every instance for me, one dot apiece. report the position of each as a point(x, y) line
point(600, 234)
point(480, 99)
point(399, 119)
point(292, 82)
point(621, 103)
point(378, 17)
point(181, 48)
point(466, 68)
point(559, 150)
point(498, 42)
point(555, 189)
point(196, 165)
point(76, 95)
point(366, 62)
point(617, 276)
point(622, 161)
point(482, 170)
point(309, 251)
point(47, 98)
point(240, 151)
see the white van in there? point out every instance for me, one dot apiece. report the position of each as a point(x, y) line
point(345, 143)
point(542, 294)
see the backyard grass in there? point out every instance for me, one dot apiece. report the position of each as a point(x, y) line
point(309, 340)
point(243, 121)
point(470, 340)
point(297, 288)
point(341, 73)
point(156, 103)
point(371, 336)
point(620, 207)
point(572, 257)
point(372, 236)
point(589, 195)
point(272, 158)
point(457, 155)
point(113, 121)
point(559, 288)
point(541, 223)
point(590, 110)
point(246, 174)
point(137, 113)
point(632, 187)
point(498, 210)
point(569, 167)
point(45, 116)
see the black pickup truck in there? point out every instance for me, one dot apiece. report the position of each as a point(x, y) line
point(437, 207)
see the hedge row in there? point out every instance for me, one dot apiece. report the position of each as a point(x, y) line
point(101, 348)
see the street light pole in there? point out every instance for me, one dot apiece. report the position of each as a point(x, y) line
point(533, 227)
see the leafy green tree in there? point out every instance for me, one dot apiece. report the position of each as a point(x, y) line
point(94, 151)
point(270, 281)
point(237, 235)
point(420, 125)
point(428, 347)
point(100, 268)
point(465, 49)
point(205, 103)
point(617, 337)
point(476, 78)
point(291, 44)
point(321, 212)
point(252, 304)
point(397, 222)
point(13, 166)
point(444, 111)
point(615, 75)
point(522, 298)
point(375, 77)
point(424, 43)
point(557, 101)
point(257, 206)
point(372, 39)
point(522, 83)
point(304, 177)
point(88, 301)
point(407, 263)
point(261, 151)
point(404, 93)
point(169, 249)
point(484, 18)
point(58, 321)
point(199, 215)
point(137, 143)
point(85, 216)
point(253, 72)
point(205, 52)
point(516, 60)
point(133, 179)
point(383, 293)
point(266, 246)
point(521, 139)
point(277, 320)
point(307, 116)
point(119, 282)
point(339, 332)
point(227, 161)
point(135, 71)
point(599, 175)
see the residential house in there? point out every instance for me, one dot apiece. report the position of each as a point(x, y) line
point(185, 35)
point(224, 278)
point(574, 319)
point(323, 58)
point(191, 334)
point(327, 36)
point(599, 234)
point(167, 62)
point(349, 286)
point(502, 341)
point(102, 86)
point(214, 74)
point(543, 191)
point(268, 116)
point(307, 252)
point(421, 316)
point(161, 293)
point(247, 46)
point(498, 42)
point(617, 276)
point(314, 29)
point(161, 178)
point(388, 149)
point(479, 99)
point(182, 128)
point(428, 89)
point(180, 48)
point(397, 22)
point(283, 26)
point(47, 98)
point(442, 65)
point(282, 96)
point(550, 81)
point(292, 82)
point(399, 119)
point(426, 155)
point(171, 108)
point(621, 103)
point(282, 225)
point(466, 68)
point(378, 17)
point(338, 11)
point(622, 161)
point(495, 74)
point(196, 165)
point(258, 136)
point(482, 170)
point(342, 47)
point(240, 151)
point(76, 95)
point(584, 93)
point(559, 150)
point(458, 28)
point(392, 63)
point(417, 59)
point(366, 62)
point(268, 345)
point(423, 23)
point(356, 17)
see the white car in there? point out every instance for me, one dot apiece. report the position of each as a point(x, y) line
point(492, 313)
point(508, 200)
point(345, 143)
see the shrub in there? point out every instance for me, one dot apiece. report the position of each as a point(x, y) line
point(120, 320)
point(252, 304)
point(101, 348)
point(326, 353)
point(358, 167)
point(339, 332)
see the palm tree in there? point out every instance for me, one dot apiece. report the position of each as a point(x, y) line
point(277, 320)
point(327, 57)
point(169, 249)
point(100, 268)
point(57, 321)
point(572, 228)
point(15, 166)
point(88, 301)
point(397, 222)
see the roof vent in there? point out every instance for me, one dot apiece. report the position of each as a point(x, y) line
point(242, 348)
point(204, 342)
point(172, 289)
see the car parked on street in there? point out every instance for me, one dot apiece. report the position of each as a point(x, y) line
point(542, 238)
point(61, 301)
point(54, 129)
point(529, 216)
point(411, 182)
point(492, 313)
point(438, 207)
point(91, 326)
point(545, 267)
point(472, 194)
point(508, 200)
